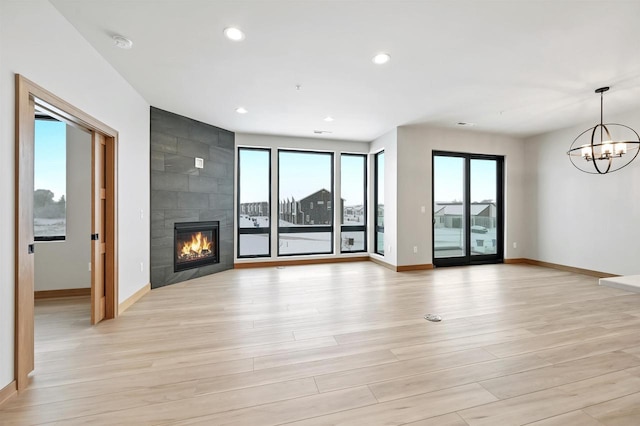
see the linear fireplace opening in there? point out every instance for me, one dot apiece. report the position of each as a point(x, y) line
point(195, 244)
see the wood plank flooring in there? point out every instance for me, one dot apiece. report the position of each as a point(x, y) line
point(344, 344)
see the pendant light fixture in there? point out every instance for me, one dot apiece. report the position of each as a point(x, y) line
point(604, 154)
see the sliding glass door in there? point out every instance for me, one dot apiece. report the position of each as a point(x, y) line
point(467, 208)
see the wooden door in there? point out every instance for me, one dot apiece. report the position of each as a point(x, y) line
point(25, 264)
point(98, 227)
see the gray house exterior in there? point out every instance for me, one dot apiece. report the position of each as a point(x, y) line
point(314, 209)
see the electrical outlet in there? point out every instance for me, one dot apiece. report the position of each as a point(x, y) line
point(389, 248)
point(515, 245)
point(415, 249)
point(423, 209)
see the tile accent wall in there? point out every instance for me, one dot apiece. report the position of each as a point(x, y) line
point(180, 192)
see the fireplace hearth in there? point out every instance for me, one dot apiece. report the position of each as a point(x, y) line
point(196, 244)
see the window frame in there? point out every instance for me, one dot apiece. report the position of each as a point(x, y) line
point(250, 231)
point(313, 228)
point(355, 228)
point(49, 238)
point(377, 229)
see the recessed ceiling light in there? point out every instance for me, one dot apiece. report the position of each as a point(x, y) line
point(122, 42)
point(328, 118)
point(241, 110)
point(233, 33)
point(381, 58)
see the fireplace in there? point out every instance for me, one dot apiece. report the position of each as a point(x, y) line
point(195, 244)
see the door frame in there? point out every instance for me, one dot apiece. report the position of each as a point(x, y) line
point(469, 259)
point(28, 96)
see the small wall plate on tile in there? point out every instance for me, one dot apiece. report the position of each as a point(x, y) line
point(199, 163)
point(433, 317)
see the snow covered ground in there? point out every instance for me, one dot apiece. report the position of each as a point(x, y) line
point(254, 222)
point(295, 243)
point(451, 241)
point(49, 227)
point(254, 244)
point(311, 242)
point(448, 241)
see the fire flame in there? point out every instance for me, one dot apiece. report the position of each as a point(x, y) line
point(198, 245)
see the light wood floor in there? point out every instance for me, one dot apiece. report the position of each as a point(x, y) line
point(345, 344)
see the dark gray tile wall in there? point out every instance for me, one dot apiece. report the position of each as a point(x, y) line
point(182, 193)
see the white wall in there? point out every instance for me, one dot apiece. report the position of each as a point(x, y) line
point(415, 147)
point(40, 44)
point(75, 251)
point(581, 220)
point(311, 144)
point(389, 143)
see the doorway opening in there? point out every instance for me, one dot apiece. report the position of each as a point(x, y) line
point(61, 226)
point(468, 208)
point(61, 208)
point(103, 231)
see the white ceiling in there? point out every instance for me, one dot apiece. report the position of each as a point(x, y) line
point(516, 67)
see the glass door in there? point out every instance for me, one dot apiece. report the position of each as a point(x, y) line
point(467, 209)
point(449, 233)
point(484, 208)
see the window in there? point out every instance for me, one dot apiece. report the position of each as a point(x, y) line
point(50, 180)
point(254, 195)
point(328, 205)
point(379, 203)
point(305, 178)
point(353, 201)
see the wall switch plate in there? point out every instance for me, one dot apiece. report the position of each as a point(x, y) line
point(141, 214)
point(141, 266)
point(515, 245)
point(415, 249)
point(199, 163)
point(423, 209)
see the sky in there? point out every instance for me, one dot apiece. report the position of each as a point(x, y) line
point(50, 163)
point(301, 174)
point(253, 165)
point(352, 179)
point(380, 172)
point(449, 175)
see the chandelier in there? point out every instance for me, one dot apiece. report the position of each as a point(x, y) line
point(602, 154)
